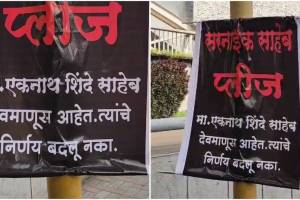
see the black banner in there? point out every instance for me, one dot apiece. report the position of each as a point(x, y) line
point(244, 103)
point(73, 88)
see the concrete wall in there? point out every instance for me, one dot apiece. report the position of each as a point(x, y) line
point(181, 9)
point(157, 23)
point(212, 10)
point(23, 188)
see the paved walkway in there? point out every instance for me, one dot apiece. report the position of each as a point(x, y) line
point(132, 187)
point(115, 187)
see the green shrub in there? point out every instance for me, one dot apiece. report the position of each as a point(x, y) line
point(169, 82)
point(168, 54)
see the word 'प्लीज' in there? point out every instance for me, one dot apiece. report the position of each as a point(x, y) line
point(271, 41)
point(243, 74)
point(75, 115)
point(241, 127)
point(52, 10)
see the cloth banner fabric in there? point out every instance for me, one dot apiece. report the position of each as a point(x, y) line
point(243, 114)
point(73, 88)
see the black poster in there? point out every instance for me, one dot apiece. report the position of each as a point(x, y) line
point(73, 88)
point(244, 103)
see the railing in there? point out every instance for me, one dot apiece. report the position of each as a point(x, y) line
point(172, 41)
point(167, 124)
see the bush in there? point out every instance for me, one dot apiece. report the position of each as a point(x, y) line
point(169, 82)
point(168, 54)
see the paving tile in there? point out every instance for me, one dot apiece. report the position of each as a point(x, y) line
point(116, 187)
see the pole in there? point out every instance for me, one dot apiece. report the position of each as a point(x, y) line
point(64, 187)
point(243, 190)
point(242, 9)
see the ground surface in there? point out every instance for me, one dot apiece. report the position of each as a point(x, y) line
point(114, 187)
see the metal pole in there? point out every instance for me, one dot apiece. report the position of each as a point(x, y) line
point(243, 190)
point(242, 9)
point(64, 187)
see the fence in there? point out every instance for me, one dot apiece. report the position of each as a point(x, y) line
point(172, 41)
